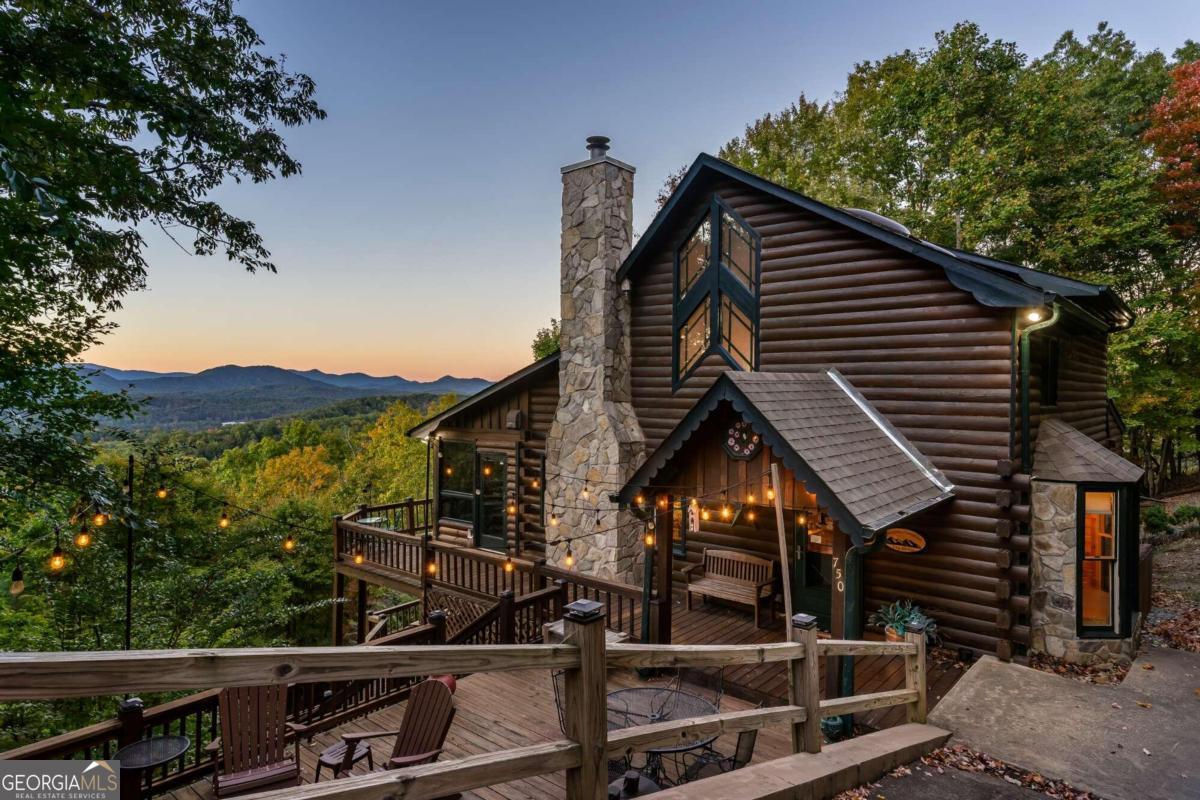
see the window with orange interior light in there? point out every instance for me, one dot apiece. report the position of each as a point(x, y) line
point(1098, 590)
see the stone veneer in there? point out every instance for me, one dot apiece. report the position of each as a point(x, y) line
point(595, 441)
point(1053, 591)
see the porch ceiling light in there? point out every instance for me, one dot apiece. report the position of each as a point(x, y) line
point(1034, 315)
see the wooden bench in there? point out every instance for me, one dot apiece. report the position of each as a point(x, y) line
point(730, 575)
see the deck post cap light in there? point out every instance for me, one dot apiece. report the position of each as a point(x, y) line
point(804, 621)
point(584, 611)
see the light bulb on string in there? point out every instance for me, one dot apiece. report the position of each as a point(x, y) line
point(650, 537)
point(449, 470)
point(57, 559)
point(509, 566)
point(726, 512)
point(18, 581)
point(597, 522)
point(358, 556)
point(662, 502)
point(751, 516)
point(750, 498)
point(553, 519)
point(99, 519)
point(536, 484)
point(705, 514)
point(637, 501)
point(586, 493)
point(84, 537)
point(223, 521)
point(771, 494)
point(569, 560)
point(289, 543)
point(487, 470)
point(431, 568)
point(161, 492)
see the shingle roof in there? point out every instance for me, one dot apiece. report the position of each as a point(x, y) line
point(861, 468)
point(1066, 454)
point(519, 379)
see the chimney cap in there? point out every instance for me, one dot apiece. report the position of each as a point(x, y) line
point(598, 145)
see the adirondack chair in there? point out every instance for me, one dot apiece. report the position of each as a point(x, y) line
point(419, 740)
point(250, 753)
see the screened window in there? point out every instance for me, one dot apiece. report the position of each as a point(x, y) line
point(1099, 574)
point(456, 476)
point(716, 292)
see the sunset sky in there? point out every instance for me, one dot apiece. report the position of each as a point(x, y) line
point(422, 238)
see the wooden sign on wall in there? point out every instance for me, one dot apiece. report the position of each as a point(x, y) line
point(902, 540)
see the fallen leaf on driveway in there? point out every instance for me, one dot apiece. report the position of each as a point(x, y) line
point(1147, 666)
point(1144, 750)
point(1144, 705)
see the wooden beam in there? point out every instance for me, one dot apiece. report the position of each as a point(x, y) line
point(853, 647)
point(629, 656)
point(690, 731)
point(865, 702)
point(391, 579)
point(440, 778)
point(804, 685)
point(784, 561)
point(36, 676)
point(585, 707)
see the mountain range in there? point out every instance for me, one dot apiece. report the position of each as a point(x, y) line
point(233, 393)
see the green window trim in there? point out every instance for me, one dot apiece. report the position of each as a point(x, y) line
point(456, 480)
point(716, 298)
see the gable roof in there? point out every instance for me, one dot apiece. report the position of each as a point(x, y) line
point(1064, 453)
point(518, 380)
point(863, 470)
point(991, 282)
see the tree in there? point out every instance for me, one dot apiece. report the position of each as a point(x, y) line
point(1174, 133)
point(546, 341)
point(116, 117)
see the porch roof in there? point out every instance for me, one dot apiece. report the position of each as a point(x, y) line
point(1064, 453)
point(863, 470)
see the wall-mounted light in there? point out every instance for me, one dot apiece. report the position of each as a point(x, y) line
point(1034, 315)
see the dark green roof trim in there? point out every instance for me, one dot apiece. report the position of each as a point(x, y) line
point(517, 380)
point(726, 390)
point(988, 287)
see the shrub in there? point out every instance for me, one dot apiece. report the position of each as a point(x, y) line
point(1156, 520)
point(1185, 515)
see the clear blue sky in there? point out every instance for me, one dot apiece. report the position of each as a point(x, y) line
point(422, 238)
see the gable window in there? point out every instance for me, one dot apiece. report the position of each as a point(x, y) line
point(716, 292)
point(1049, 374)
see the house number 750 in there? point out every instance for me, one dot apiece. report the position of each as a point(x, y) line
point(838, 577)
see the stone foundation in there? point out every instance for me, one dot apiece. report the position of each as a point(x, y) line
point(595, 442)
point(1053, 593)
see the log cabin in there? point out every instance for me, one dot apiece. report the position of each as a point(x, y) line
point(938, 419)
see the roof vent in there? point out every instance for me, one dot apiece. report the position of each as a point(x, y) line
point(879, 221)
point(598, 146)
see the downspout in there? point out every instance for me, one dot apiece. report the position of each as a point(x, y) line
point(1026, 445)
point(843, 726)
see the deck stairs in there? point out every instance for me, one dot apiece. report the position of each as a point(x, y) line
point(837, 768)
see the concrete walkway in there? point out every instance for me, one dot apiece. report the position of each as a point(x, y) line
point(1096, 737)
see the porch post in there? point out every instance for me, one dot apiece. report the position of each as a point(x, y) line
point(585, 708)
point(339, 609)
point(665, 537)
point(361, 619)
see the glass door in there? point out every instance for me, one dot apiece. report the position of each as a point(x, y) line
point(491, 523)
point(812, 578)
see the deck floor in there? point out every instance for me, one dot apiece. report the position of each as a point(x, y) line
point(499, 711)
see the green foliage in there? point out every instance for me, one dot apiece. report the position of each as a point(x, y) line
point(902, 615)
point(1155, 519)
point(1185, 515)
point(112, 119)
point(545, 341)
point(1040, 161)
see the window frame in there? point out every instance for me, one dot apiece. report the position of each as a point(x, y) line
point(1125, 543)
point(717, 280)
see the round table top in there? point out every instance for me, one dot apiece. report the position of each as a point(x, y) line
point(628, 708)
point(152, 752)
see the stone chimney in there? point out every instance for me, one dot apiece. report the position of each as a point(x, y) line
point(595, 442)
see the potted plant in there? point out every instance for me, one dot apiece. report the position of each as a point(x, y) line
point(896, 619)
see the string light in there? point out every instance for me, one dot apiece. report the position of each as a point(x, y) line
point(161, 492)
point(83, 538)
point(223, 522)
point(650, 538)
point(569, 560)
point(750, 498)
point(509, 566)
point(487, 470)
point(449, 470)
point(771, 494)
point(358, 556)
point(536, 484)
point(662, 502)
point(750, 515)
point(431, 567)
point(289, 543)
point(802, 519)
point(637, 501)
point(598, 526)
point(18, 581)
point(57, 559)
point(726, 512)
point(553, 520)
point(586, 493)
point(705, 514)
point(99, 519)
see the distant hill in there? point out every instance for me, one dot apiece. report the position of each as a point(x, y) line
point(233, 393)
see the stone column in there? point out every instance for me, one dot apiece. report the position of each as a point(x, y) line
point(595, 442)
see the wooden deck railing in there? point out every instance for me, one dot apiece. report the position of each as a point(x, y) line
point(367, 539)
point(584, 656)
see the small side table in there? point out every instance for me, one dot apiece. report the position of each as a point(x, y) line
point(147, 754)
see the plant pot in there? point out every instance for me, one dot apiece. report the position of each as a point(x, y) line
point(893, 635)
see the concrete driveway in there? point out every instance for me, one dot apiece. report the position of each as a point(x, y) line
point(1096, 737)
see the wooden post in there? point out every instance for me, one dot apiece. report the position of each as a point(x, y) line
point(438, 620)
point(786, 572)
point(361, 618)
point(129, 714)
point(426, 553)
point(508, 618)
point(339, 609)
point(585, 706)
point(664, 556)
point(914, 674)
point(804, 684)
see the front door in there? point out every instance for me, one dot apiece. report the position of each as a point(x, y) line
point(813, 573)
point(491, 520)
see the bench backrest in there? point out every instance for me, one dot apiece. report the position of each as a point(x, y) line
point(738, 566)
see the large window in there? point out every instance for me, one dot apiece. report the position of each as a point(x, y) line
point(716, 292)
point(456, 481)
point(1099, 572)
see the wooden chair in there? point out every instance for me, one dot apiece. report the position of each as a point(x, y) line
point(250, 753)
point(422, 733)
point(731, 575)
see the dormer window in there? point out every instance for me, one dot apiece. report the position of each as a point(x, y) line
point(716, 307)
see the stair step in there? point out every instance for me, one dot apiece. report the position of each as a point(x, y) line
point(816, 776)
